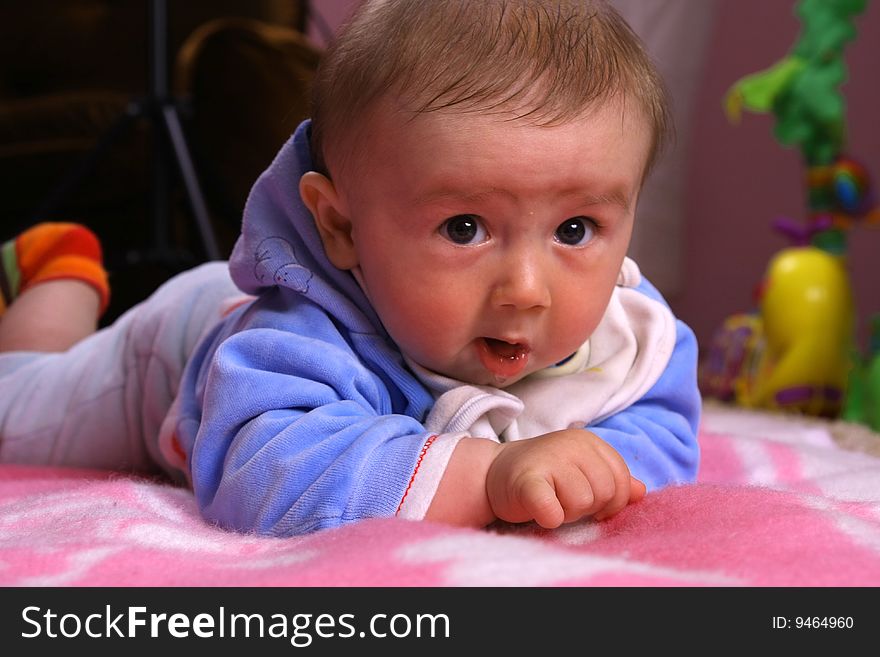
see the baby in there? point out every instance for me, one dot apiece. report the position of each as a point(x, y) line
point(440, 323)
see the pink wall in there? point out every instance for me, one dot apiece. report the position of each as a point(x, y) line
point(333, 13)
point(740, 178)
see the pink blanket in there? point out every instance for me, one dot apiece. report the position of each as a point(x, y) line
point(778, 503)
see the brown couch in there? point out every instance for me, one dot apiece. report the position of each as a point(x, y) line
point(72, 68)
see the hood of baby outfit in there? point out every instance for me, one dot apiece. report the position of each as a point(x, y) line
point(279, 245)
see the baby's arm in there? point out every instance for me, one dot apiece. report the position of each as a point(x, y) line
point(657, 435)
point(461, 497)
point(295, 435)
point(555, 478)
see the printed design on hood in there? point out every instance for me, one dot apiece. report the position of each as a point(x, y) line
point(276, 260)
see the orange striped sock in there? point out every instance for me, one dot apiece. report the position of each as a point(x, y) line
point(52, 251)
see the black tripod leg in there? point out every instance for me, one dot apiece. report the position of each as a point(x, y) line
point(190, 180)
point(160, 196)
point(82, 169)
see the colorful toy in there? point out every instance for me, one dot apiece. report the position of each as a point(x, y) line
point(797, 351)
point(802, 92)
point(732, 356)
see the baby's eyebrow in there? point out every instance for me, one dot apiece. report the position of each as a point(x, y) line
point(447, 193)
point(617, 196)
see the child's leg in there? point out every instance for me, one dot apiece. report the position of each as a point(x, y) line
point(50, 317)
point(53, 287)
point(100, 404)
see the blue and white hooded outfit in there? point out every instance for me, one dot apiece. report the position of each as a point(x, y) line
point(295, 411)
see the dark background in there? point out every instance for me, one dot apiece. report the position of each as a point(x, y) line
point(71, 71)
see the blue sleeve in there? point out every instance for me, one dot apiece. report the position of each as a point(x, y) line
point(296, 434)
point(657, 435)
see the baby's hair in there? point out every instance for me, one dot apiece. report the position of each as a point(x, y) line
point(544, 61)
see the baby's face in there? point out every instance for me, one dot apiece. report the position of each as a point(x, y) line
point(490, 248)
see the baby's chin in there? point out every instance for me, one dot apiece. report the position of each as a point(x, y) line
point(474, 370)
point(483, 377)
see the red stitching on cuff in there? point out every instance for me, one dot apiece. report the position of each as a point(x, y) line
point(428, 444)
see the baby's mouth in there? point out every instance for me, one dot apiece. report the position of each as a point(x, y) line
point(503, 359)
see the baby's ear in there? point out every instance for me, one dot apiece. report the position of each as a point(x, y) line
point(334, 226)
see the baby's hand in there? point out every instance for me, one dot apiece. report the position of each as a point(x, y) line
point(560, 477)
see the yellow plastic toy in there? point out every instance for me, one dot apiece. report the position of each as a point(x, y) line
point(806, 325)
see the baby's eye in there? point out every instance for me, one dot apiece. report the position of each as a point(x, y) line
point(576, 231)
point(464, 229)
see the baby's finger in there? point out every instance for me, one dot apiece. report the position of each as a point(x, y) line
point(637, 490)
point(599, 483)
point(538, 499)
point(623, 486)
point(579, 495)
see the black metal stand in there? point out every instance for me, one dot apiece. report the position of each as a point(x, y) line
point(169, 142)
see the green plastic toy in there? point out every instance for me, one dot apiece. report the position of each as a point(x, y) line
point(863, 397)
point(802, 91)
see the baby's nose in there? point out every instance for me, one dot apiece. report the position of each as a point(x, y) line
point(521, 285)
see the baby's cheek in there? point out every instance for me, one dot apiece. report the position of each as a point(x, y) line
point(419, 325)
point(576, 322)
